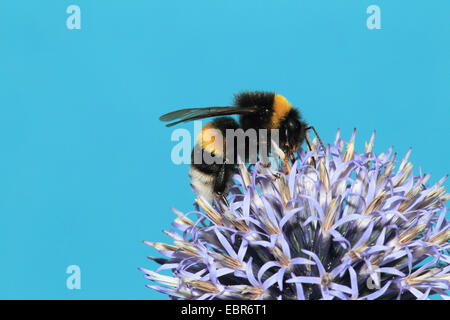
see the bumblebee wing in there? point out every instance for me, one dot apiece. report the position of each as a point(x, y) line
point(185, 115)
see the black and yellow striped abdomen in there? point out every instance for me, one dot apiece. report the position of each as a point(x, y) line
point(206, 177)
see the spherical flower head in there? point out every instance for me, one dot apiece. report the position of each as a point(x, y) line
point(335, 224)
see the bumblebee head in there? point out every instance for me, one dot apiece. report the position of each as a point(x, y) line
point(292, 132)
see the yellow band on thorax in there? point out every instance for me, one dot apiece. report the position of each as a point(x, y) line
point(281, 107)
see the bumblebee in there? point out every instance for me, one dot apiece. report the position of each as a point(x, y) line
point(256, 110)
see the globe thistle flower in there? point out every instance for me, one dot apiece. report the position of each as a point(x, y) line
point(336, 224)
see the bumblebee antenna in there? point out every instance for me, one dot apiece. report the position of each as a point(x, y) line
point(317, 135)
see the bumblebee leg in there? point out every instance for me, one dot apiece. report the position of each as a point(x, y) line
point(310, 149)
point(220, 182)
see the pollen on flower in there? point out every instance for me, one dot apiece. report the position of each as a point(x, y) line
point(325, 280)
point(324, 226)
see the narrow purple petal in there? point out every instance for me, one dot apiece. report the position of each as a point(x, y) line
point(377, 293)
point(316, 260)
point(249, 273)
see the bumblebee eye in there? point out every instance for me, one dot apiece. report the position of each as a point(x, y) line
point(292, 125)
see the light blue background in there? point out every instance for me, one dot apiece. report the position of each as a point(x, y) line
point(85, 170)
